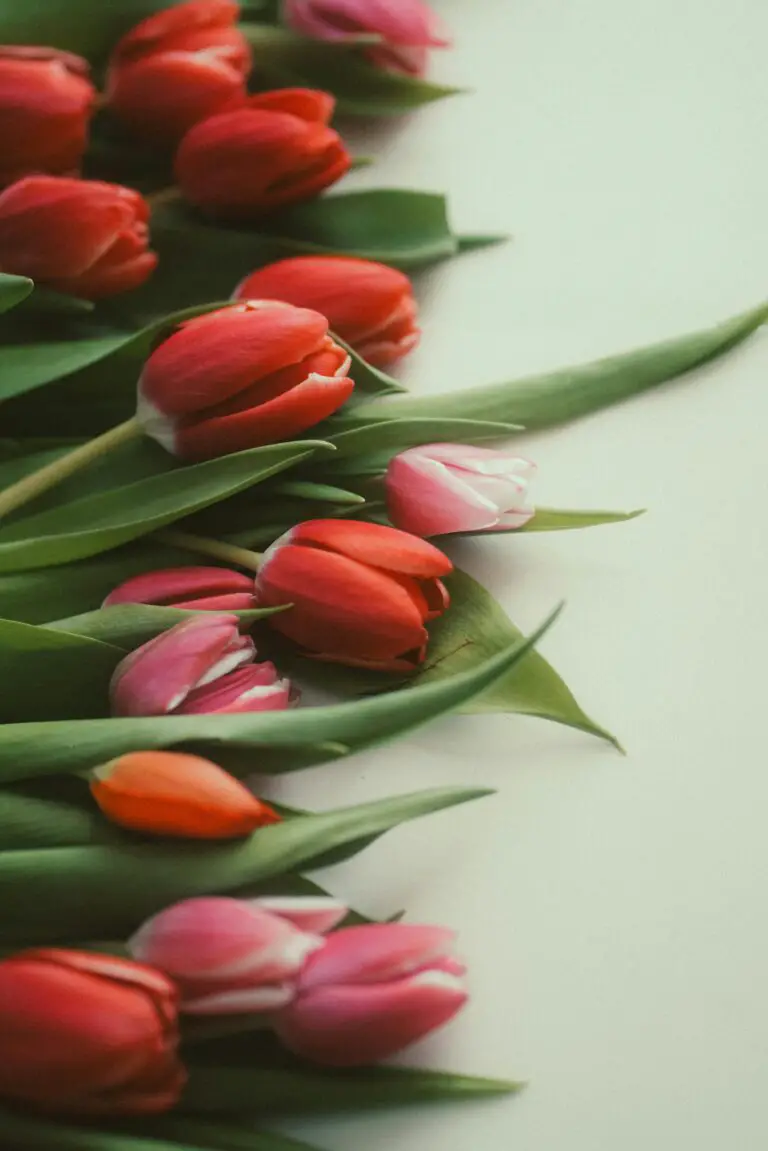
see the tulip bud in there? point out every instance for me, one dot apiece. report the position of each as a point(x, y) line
point(178, 67)
point(81, 237)
point(232, 956)
point(192, 588)
point(87, 1034)
point(369, 305)
point(370, 991)
point(239, 377)
point(199, 667)
point(440, 488)
point(361, 592)
point(170, 793)
point(275, 151)
point(46, 100)
point(406, 29)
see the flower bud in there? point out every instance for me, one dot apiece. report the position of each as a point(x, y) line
point(192, 588)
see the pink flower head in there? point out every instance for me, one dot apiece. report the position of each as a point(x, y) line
point(202, 665)
point(440, 488)
point(192, 588)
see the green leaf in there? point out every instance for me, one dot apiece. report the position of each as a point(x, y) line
point(387, 437)
point(220, 1136)
point(77, 25)
point(25, 1132)
point(97, 523)
point(46, 302)
point(545, 400)
point(282, 741)
point(369, 381)
point(470, 633)
point(318, 493)
point(127, 626)
point(288, 60)
point(13, 289)
point(27, 822)
point(566, 519)
point(106, 891)
point(477, 243)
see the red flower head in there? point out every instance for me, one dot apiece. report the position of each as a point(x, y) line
point(242, 376)
point(276, 151)
point(178, 67)
point(45, 105)
point(81, 237)
point(361, 592)
point(87, 1034)
point(369, 305)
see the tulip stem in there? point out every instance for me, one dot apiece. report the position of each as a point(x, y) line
point(48, 477)
point(202, 545)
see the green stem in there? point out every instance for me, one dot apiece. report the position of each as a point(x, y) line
point(202, 545)
point(48, 477)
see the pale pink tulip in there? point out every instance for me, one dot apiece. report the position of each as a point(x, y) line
point(439, 488)
point(370, 991)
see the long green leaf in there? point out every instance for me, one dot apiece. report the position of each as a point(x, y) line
point(222, 1136)
point(106, 891)
point(566, 519)
point(13, 289)
point(281, 741)
point(78, 25)
point(556, 397)
point(27, 822)
point(394, 435)
point(22, 1131)
point(127, 626)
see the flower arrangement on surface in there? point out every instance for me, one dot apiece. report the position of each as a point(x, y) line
point(211, 494)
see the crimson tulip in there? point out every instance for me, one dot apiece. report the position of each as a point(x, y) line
point(369, 305)
point(81, 237)
point(46, 101)
point(404, 29)
point(275, 151)
point(178, 67)
point(88, 1034)
point(361, 592)
point(242, 376)
point(193, 588)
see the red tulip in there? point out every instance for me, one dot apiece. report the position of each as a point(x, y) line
point(178, 67)
point(276, 151)
point(81, 237)
point(405, 29)
point(361, 592)
point(193, 588)
point(242, 376)
point(369, 305)
point(45, 106)
point(87, 1034)
point(199, 667)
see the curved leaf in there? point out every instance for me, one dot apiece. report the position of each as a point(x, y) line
point(128, 625)
point(13, 289)
point(566, 520)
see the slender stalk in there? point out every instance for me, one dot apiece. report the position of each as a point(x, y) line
point(48, 477)
point(202, 545)
point(162, 196)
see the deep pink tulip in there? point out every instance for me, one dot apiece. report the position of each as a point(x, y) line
point(232, 955)
point(440, 488)
point(370, 991)
point(201, 666)
point(407, 28)
point(193, 588)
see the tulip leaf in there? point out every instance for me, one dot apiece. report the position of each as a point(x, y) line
point(475, 628)
point(28, 822)
point(13, 289)
point(318, 493)
point(280, 741)
point(216, 1135)
point(369, 381)
point(107, 890)
point(100, 522)
point(77, 25)
point(567, 519)
point(288, 60)
point(126, 626)
point(557, 397)
point(394, 435)
point(27, 1132)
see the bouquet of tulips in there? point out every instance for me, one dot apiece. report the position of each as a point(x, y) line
point(215, 501)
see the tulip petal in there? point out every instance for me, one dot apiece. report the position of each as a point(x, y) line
point(375, 953)
point(166, 26)
point(428, 498)
point(314, 913)
point(249, 689)
point(170, 585)
point(374, 544)
point(241, 1000)
point(308, 104)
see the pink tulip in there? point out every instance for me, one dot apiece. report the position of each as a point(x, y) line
point(440, 488)
point(202, 665)
point(370, 991)
point(406, 28)
point(232, 955)
point(193, 588)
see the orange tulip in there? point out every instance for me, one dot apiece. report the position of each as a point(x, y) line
point(170, 793)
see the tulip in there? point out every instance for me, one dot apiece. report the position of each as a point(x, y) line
point(178, 67)
point(405, 29)
point(81, 237)
point(242, 376)
point(199, 667)
point(369, 305)
point(232, 955)
point(275, 151)
point(87, 1034)
point(361, 592)
point(45, 106)
point(439, 488)
point(370, 991)
point(170, 793)
point(192, 588)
